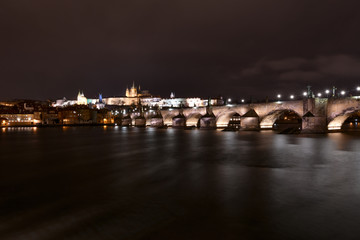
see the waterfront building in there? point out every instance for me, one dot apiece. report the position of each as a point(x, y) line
point(84, 115)
point(235, 121)
point(49, 116)
point(4, 121)
point(18, 119)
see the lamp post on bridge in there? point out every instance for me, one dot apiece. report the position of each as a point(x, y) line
point(334, 91)
point(309, 92)
point(327, 93)
point(358, 89)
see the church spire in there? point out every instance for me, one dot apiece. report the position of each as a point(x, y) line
point(127, 92)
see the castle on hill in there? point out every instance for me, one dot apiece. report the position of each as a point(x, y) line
point(135, 96)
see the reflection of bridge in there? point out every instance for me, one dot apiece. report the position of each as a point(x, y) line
point(316, 114)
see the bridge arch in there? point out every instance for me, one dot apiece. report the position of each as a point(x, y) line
point(348, 120)
point(168, 118)
point(282, 115)
point(193, 120)
point(224, 118)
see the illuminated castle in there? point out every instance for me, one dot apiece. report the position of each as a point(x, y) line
point(133, 92)
point(81, 99)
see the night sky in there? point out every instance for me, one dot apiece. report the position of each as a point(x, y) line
point(236, 48)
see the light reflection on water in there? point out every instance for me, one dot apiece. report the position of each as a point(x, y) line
point(134, 183)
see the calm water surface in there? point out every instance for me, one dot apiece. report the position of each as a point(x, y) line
point(118, 183)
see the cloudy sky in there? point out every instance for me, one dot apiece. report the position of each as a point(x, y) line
point(237, 48)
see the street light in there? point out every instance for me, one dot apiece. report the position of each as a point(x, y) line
point(357, 88)
point(279, 96)
point(291, 96)
point(327, 91)
point(342, 93)
point(305, 94)
point(229, 100)
point(319, 94)
point(242, 100)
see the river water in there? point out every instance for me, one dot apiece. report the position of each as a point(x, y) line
point(119, 183)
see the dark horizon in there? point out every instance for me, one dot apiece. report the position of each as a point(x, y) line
point(235, 49)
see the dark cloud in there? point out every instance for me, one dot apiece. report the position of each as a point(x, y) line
point(321, 71)
point(287, 64)
point(53, 48)
point(339, 65)
point(306, 76)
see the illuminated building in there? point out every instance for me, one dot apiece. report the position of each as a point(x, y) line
point(81, 99)
point(235, 121)
point(134, 96)
point(133, 92)
point(64, 102)
point(121, 101)
point(4, 121)
point(17, 119)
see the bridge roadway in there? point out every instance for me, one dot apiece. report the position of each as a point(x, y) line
point(317, 114)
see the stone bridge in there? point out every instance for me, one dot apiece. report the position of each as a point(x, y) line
point(316, 114)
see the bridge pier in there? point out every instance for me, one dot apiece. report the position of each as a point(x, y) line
point(314, 119)
point(140, 121)
point(156, 122)
point(208, 122)
point(126, 121)
point(250, 121)
point(312, 124)
point(179, 121)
